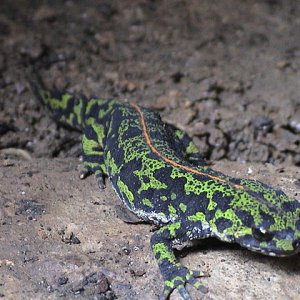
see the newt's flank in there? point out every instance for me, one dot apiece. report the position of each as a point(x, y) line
point(159, 175)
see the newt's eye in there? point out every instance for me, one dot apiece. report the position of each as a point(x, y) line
point(262, 235)
point(296, 244)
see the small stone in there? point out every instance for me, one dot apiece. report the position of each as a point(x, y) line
point(177, 77)
point(131, 86)
point(111, 76)
point(161, 102)
point(105, 39)
point(4, 28)
point(199, 129)
point(283, 64)
point(296, 159)
point(297, 183)
point(295, 125)
point(138, 273)
point(181, 115)
point(238, 87)
point(217, 138)
point(102, 284)
point(258, 152)
point(263, 123)
point(75, 240)
point(126, 251)
point(45, 13)
point(32, 47)
point(1, 60)
point(20, 87)
point(62, 280)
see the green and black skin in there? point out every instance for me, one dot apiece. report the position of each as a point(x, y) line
point(159, 175)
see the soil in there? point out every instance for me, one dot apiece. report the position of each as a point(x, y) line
point(226, 72)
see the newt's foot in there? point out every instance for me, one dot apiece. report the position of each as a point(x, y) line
point(100, 181)
point(98, 173)
point(84, 174)
point(179, 276)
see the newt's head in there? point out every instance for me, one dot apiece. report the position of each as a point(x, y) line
point(261, 219)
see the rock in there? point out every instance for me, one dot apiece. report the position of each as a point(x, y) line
point(46, 13)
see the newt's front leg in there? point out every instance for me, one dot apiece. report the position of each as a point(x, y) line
point(174, 274)
point(93, 157)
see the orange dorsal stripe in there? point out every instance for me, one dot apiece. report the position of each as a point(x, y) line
point(170, 161)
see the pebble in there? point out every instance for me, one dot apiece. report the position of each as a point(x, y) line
point(31, 47)
point(45, 13)
point(62, 280)
point(102, 284)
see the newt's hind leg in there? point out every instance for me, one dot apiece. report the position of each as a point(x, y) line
point(183, 141)
point(93, 157)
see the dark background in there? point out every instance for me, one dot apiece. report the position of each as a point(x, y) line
point(227, 72)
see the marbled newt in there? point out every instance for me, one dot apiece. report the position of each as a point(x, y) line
point(159, 175)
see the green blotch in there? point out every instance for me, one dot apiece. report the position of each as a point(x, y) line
point(61, 104)
point(172, 228)
point(110, 162)
point(89, 106)
point(171, 283)
point(102, 113)
point(183, 207)
point(99, 102)
point(195, 186)
point(69, 120)
point(172, 211)
point(268, 196)
point(285, 245)
point(179, 134)
point(134, 147)
point(237, 228)
point(163, 198)
point(263, 244)
point(199, 216)
point(146, 174)
point(161, 252)
point(173, 196)
point(212, 205)
point(241, 231)
point(290, 221)
point(125, 191)
point(89, 145)
point(192, 148)
point(162, 215)
point(147, 202)
point(102, 169)
point(98, 128)
point(78, 111)
point(91, 165)
point(55, 103)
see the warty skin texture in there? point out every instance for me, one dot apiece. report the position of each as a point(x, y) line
point(159, 175)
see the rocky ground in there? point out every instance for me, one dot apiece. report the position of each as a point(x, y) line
point(227, 72)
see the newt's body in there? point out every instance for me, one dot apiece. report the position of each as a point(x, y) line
point(158, 174)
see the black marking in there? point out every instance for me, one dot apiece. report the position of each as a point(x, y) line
point(223, 201)
point(246, 217)
point(223, 224)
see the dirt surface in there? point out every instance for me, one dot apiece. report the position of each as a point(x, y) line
point(61, 235)
point(227, 72)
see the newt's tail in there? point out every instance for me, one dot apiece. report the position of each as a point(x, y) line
point(64, 107)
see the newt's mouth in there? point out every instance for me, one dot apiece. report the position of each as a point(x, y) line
point(274, 252)
point(270, 249)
